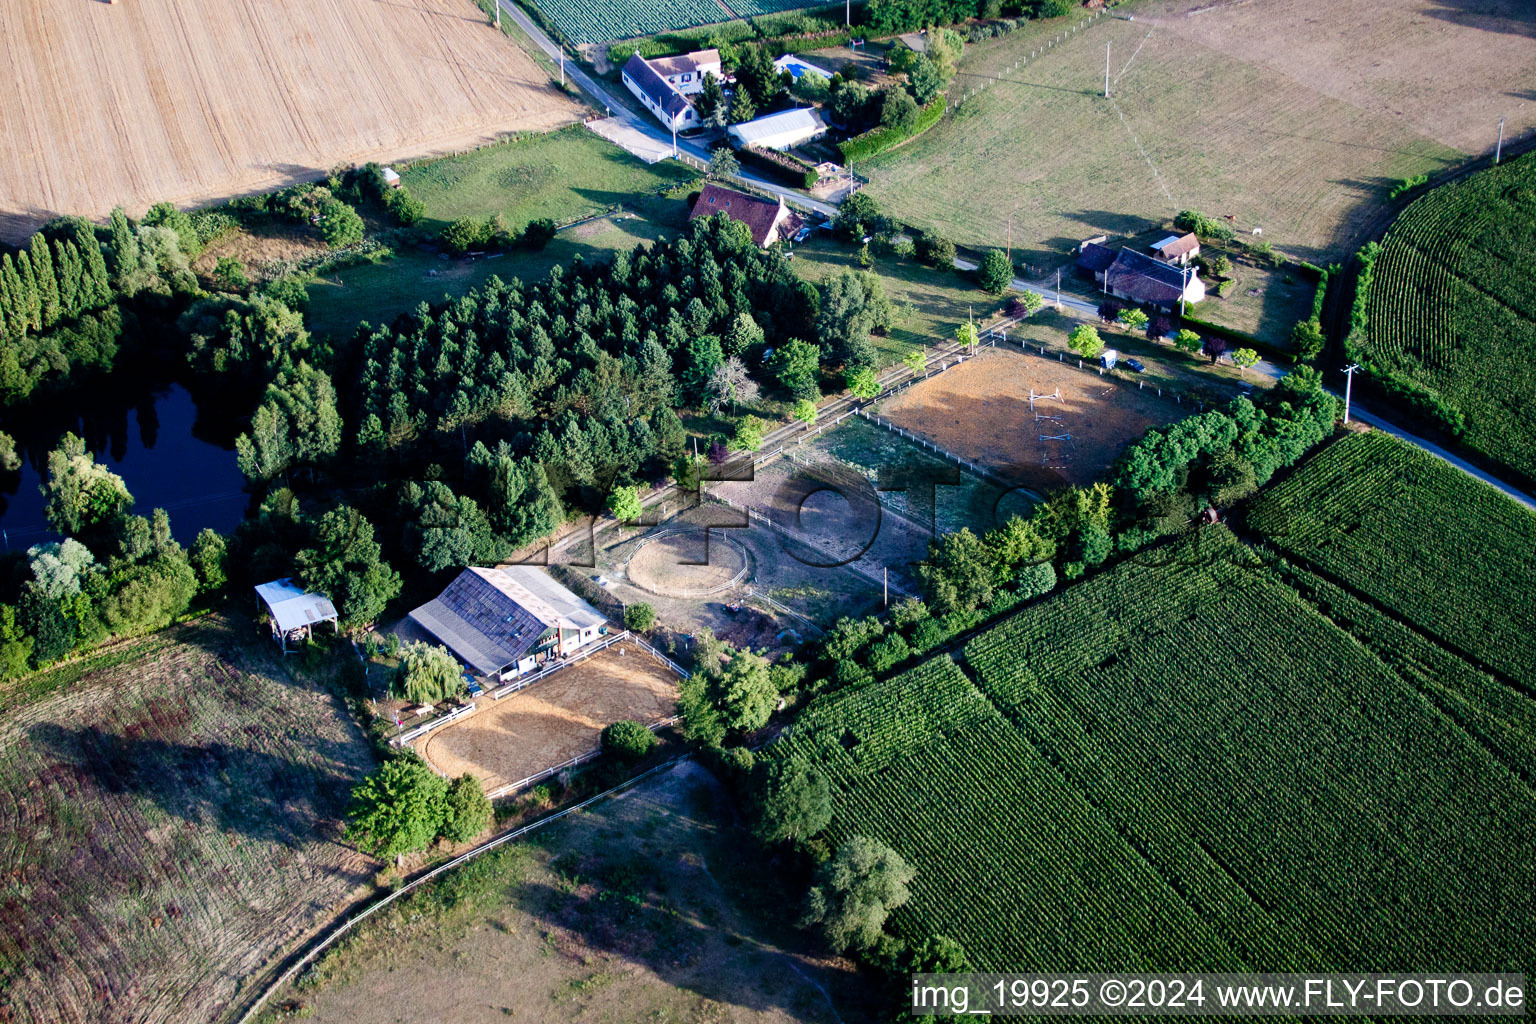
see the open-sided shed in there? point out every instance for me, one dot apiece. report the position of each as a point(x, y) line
point(293, 611)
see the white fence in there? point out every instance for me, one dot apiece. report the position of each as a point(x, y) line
point(421, 730)
point(550, 669)
point(346, 926)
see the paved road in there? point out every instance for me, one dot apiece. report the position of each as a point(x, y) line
point(1068, 301)
point(599, 92)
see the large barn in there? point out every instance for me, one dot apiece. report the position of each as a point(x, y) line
point(504, 622)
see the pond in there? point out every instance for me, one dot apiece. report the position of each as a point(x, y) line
point(154, 437)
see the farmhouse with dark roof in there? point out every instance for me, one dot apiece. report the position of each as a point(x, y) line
point(768, 221)
point(1128, 274)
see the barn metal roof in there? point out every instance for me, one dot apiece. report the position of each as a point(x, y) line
point(293, 607)
point(491, 618)
point(801, 122)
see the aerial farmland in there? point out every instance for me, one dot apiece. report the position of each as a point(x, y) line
point(735, 510)
point(137, 102)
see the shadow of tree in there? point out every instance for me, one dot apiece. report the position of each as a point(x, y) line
point(255, 793)
point(697, 914)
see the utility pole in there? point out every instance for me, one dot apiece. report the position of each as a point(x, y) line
point(562, 59)
point(1106, 69)
point(674, 140)
point(1349, 381)
point(498, 15)
point(887, 586)
point(848, 13)
point(1184, 287)
point(1058, 288)
point(1010, 242)
point(1500, 150)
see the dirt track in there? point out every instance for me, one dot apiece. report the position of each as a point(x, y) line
point(143, 100)
point(555, 719)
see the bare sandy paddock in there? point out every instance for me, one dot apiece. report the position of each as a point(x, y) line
point(980, 411)
point(185, 100)
point(555, 719)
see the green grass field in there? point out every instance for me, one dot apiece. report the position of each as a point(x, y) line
point(1188, 127)
point(929, 304)
point(379, 292)
point(564, 175)
point(1453, 307)
point(1165, 766)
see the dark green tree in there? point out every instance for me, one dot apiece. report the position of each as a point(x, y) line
point(398, 809)
point(627, 741)
point(995, 273)
point(345, 563)
point(795, 803)
point(466, 811)
point(797, 365)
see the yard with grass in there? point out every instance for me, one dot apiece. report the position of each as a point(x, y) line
point(379, 292)
point(1196, 119)
point(1263, 301)
point(648, 906)
point(929, 304)
point(564, 175)
point(170, 812)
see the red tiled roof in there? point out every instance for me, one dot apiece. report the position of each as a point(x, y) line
point(757, 214)
point(1181, 246)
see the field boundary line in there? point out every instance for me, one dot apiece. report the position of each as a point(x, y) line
point(346, 926)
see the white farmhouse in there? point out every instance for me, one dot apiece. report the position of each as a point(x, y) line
point(661, 97)
point(686, 73)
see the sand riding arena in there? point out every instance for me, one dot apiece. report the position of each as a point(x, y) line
point(554, 720)
point(981, 410)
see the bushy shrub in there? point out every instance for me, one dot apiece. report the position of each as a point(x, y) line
point(628, 741)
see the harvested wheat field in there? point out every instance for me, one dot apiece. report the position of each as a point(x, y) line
point(147, 100)
point(980, 411)
point(555, 719)
point(169, 822)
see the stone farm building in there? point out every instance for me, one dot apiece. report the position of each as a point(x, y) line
point(664, 85)
point(504, 622)
point(769, 221)
point(1137, 277)
point(1177, 249)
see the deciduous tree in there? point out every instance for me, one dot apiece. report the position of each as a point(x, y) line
point(427, 673)
point(397, 809)
point(466, 811)
point(995, 273)
point(1085, 341)
point(795, 803)
point(856, 891)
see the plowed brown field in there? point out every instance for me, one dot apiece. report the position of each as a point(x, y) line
point(135, 102)
point(169, 822)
